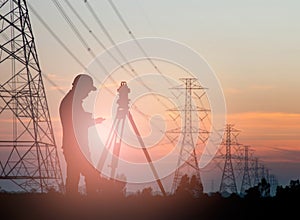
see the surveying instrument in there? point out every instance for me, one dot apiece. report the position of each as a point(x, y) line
point(116, 133)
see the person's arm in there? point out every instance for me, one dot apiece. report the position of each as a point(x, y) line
point(99, 120)
point(88, 119)
point(91, 120)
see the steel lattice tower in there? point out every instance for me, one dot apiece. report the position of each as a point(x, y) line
point(29, 156)
point(262, 172)
point(256, 173)
point(228, 182)
point(187, 158)
point(267, 176)
point(274, 184)
point(246, 181)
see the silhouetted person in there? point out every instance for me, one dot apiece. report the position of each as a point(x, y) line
point(75, 122)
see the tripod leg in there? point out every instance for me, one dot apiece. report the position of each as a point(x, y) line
point(106, 147)
point(146, 153)
point(116, 150)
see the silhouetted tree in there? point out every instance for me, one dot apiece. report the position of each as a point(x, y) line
point(261, 190)
point(184, 186)
point(292, 190)
point(264, 188)
point(252, 193)
point(189, 186)
point(122, 183)
point(196, 187)
point(295, 187)
point(147, 192)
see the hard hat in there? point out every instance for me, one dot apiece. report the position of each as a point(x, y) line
point(85, 81)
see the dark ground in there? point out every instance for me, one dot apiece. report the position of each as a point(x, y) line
point(57, 206)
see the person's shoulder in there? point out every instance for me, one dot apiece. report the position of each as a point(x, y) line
point(67, 96)
point(66, 99)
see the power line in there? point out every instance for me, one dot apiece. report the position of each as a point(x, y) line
point(85, 44)
point(125, 25)
point(92, 33)
point(64, 46)
point(56, 37)
point(130, 32)
point(111, 40)
point(75, 58)
point(104, 29)
point(106, 32)
point(54, 84)
point(71, 24)
point(78, 35)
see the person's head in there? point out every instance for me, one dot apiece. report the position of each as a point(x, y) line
point(83, 84)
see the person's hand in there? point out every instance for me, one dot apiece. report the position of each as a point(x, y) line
point(99, 120)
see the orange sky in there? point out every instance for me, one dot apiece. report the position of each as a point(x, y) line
point(252, 46)
point(278, 130)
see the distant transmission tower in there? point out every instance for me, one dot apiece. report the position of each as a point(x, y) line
point(228, 183)
point(246, 181)
point(187, 159)
point(267, 176)
point(256, 173)
point(262, 172)
point(273, 184)
point(28, 151)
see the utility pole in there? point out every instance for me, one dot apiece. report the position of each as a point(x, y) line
point(29, 158)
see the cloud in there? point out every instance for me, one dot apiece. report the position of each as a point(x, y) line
point(273, 135)
point(56, 82)
point(279, 155)
point(56, 77)
point(262, 87)
point(233, 91)
point(267, 123)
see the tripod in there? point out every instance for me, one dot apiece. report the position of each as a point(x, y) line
point(115, 140)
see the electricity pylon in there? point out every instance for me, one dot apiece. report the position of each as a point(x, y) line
point(273, 184)
point(228, 182)
point(256, 172)
point(187, 159)
point(246, 181)
point(29, 156)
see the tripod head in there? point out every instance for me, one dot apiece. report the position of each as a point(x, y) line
point(123, 100)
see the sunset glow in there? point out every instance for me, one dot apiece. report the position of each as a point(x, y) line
point(251, 47)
